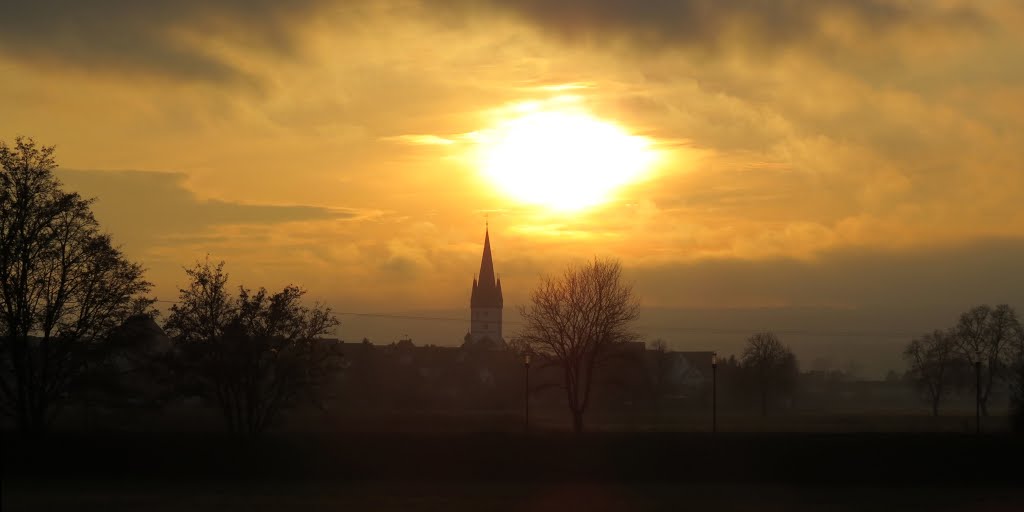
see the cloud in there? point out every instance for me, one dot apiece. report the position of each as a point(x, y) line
point(216, 41)
point(850, 304)
point(947, 276)
point(420, 140)
point(144, 208)
point(155, 37)
point(715, 26)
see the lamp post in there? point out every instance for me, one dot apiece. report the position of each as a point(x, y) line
point(526, 391)
point(977, 396)
point(714, 392)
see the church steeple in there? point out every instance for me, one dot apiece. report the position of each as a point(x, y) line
point(486, 264)
point(486, 289)
point(486, 301)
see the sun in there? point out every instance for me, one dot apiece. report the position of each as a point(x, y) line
point(566, 160)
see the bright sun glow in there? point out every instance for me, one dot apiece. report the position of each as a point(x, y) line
point(565, 160)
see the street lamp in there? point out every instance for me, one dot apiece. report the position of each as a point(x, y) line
point(526, 390)
point(977, 396)
point(714, 392)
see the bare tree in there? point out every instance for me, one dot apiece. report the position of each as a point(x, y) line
point(931, 358)
point(578, 321)
point(1016, 378)
point(254, 355)
point(63, 287)
point(771, 363)
point(984, 335)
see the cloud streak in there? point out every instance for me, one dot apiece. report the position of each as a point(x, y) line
point(750, 25)
point(154, 37)
point(146, 207)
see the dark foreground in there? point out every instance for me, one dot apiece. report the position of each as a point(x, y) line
point(622, 471)
point(490, 496)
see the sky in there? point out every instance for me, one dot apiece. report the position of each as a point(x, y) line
point(846, 172)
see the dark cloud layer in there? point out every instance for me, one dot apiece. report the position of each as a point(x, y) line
point(140, 208)
point(128, 36)
point(713, 25)
point(951, 276)
point(847, 305)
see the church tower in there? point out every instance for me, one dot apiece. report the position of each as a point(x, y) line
point(485, 302)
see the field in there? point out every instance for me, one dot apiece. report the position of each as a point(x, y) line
point(396, 496)
point(194, 419)
point(509, 471)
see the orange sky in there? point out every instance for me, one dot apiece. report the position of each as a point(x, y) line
point(868, 151)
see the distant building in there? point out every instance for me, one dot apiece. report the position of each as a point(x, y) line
point(486, 304)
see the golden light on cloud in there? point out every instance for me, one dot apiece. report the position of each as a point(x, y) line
point(561, 156)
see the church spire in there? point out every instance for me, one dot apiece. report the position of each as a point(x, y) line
point(486, 263)
point(486, 303)
point(486, 290)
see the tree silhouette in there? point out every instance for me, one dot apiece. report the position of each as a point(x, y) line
point(771, 363)
point(63, 287)
point(254, 355)
point(931, 358)
point(984, 334)
point(1017, 380)
point(577, 321)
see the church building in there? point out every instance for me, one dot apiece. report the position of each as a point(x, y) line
point(485, 304)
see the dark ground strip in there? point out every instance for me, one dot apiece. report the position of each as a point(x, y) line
point(109, 495)
point(777, 459)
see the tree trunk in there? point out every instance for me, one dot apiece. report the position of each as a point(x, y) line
point(988, 389)
point(577, 422)
point(935, 407)
point(764, 402)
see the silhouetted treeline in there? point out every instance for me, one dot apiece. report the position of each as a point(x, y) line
point(982, 354)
